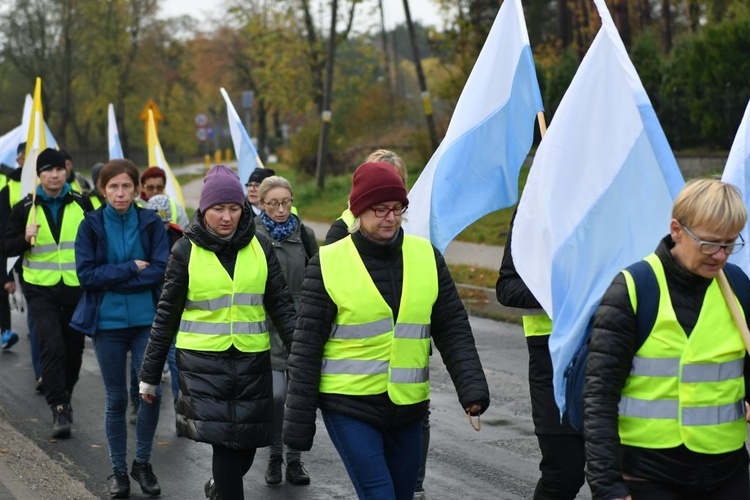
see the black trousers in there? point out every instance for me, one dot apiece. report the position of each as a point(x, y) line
point(60, 347)
point(229, 467)
point(563, 457)
point(736, 487)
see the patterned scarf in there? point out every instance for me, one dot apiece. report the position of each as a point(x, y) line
point(279, 231)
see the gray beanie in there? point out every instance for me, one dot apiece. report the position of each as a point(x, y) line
point(221, 185)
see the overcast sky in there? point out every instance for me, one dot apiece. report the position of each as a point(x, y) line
point(423, 11)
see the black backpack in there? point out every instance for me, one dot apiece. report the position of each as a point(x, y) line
point(647, 296)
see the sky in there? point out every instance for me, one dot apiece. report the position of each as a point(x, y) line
point(424, 11)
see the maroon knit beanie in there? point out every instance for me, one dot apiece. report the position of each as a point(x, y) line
point(152, 172)
point(374, 183)
point(221, 185)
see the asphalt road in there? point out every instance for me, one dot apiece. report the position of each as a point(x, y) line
point(498, 462)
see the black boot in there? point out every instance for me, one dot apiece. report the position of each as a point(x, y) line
point(273, 472)
point(144, 475)
point(119, 485)
point(296, 473)
point(62, 417)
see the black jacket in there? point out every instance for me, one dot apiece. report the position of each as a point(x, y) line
point(14, 243)
point(337, 231)
point(450, 330)
point(510, 289)
point(613, 345)
point(226, 398)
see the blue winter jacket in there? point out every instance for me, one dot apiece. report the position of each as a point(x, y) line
point(96, 275)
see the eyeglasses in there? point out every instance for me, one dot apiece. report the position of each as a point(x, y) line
point(254, 185)
point(153, 187)
point(710, 248)
point(382, 212)
point(274, 204)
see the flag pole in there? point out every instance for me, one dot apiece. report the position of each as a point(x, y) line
point(33, 207)
point(542, 123)
point(739, 322)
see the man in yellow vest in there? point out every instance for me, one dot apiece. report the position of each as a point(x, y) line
point(42, 230)
point(7, 336)
point(667, 420)
point(562, 464)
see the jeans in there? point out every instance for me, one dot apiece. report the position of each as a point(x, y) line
point(381, 465)
point(279, 398)
point(60, 348)
point(111, 348)
point(229, 467)
point(425, 450)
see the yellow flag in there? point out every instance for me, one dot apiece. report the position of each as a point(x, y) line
point(156, 158)
point(36, 142)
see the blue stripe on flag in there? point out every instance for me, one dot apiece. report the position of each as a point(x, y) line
point(585, 264)
point(478, 173)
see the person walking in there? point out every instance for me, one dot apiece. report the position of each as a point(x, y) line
point(42, 229)
point(121, 256)
point(223, 284)
point(664, 417)
point(153, 182)
point(252, 185)
point(294, 244)
point(370, 304)
point(563, 458)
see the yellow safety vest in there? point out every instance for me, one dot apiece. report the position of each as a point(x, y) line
point(686, 390)
point(3, 181)
point(348, 217)
point(366, 353)
point(76, 186)
point(47, 262)
point(537, 325)
point(14, 192)
point(95, 201)
point(221, 311)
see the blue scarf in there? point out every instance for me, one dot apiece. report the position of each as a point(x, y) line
point(279, 231)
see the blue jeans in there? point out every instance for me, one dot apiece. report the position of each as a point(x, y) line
point(381, 465)
point(111, 348)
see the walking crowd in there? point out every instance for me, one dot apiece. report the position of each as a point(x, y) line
point(261, 328)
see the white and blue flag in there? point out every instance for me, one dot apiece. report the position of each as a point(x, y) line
point(10, 140)
point(113, 135)
point(598, 197)
point(476, 167)
point(737, 172)
point(247, 156)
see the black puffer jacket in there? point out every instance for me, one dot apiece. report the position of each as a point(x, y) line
point(226, 398)
point(613, 345)
point(450, 331)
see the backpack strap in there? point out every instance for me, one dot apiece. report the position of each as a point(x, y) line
point(740, 286)
point(647, 298)
point(305, 243)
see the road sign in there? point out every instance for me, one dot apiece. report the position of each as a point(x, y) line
point(247, 99)
point(202, 133)
point(201, 120)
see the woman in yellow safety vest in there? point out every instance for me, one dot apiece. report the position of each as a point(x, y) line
point(221, 282)
point(370, 304)
point(664, 409)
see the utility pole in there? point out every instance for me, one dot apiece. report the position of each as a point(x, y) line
point(386, 49)
point(426, 102)
point(326, 115)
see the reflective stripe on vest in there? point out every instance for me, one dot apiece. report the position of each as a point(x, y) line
point(365, 353)
point(686, 390)
point(348, 217)
point(537, 325)
point(46, 263)
point(221, 311)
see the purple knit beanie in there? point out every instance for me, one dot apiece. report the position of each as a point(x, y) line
point(221, 185)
